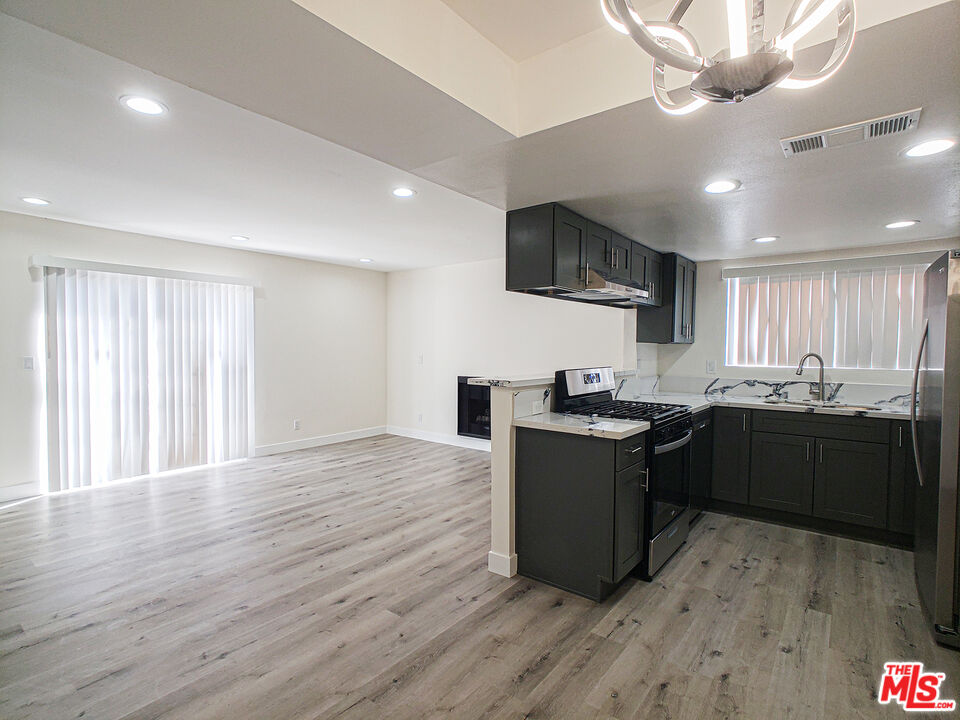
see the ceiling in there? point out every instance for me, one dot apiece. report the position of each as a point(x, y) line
point(524, 28)
point(290, 163)
point(208, 169)
point(642, 172)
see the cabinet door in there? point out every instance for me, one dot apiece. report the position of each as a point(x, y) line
point(903, 479)
point(654, 277)
point(621, 259)
point(731, 455)
point(850, 483)
point(599, 243)
point(689, 298)
point(628, 524)
point(569, 249)
point(701, 459)
point(781, 472)
point(638, 265)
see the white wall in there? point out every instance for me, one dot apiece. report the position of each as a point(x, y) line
point(690, 360)
point(458, 320)
point(320, 335)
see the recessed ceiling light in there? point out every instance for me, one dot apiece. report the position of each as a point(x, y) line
point(404, 192)
point(721, 186)
point(143, 105)
point(931, 147)
point(239, 238)
point(901, 224)
point(35, 201)
point(766, 238)
point(366, 260)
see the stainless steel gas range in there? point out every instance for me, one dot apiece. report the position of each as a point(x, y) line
point(589, 392)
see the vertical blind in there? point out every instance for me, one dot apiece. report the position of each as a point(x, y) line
point(855, 318)
point(145, 374)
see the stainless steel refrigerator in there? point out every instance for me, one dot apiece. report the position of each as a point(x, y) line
point(935, 417)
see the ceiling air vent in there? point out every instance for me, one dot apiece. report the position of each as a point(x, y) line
point(851, 134)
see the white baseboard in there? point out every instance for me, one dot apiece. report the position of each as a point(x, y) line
point(306, 443)
point(18, 492)
point(505, 565)
point(458, 440)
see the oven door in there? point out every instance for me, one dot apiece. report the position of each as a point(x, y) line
point(669, 482)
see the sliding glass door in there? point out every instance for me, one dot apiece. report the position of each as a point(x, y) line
point(145, 374)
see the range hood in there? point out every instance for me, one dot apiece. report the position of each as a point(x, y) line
point(599, 289)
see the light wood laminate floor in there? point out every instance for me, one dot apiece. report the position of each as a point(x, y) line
point(350, 581)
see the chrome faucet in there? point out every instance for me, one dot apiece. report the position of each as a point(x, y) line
point(800, 371)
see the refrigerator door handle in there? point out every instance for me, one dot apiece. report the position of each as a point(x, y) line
point(913, 402)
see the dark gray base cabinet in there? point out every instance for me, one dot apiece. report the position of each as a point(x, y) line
point(851, 482)
point(836, 471)
point(731, 455)
point(701, 459)
point(781, 472)
point(903, 479)
point(579, 509)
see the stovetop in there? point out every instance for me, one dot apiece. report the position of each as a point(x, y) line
point(633, 410)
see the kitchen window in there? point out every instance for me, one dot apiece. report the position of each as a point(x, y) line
point(862, 313)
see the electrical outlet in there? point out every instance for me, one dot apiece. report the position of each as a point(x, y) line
point(420, 419)
point(420, 360)
point(28, 363)
point(537, 406)
point(711, 367)
point(296, 424)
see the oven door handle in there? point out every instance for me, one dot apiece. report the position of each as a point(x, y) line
point(661, 449)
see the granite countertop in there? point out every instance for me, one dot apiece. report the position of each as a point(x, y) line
point(701, 402)
point(581, 425)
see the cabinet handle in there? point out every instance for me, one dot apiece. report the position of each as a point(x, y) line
point(808, 450)
point(637, 449)
point(821, 453)
point(744, 422)
point(900, 436)
point(646, 480)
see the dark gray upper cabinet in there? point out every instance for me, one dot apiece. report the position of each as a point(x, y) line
point(781, 472)
point(673, 321)
point(621, 259)
point(903, 479)
point(646, 271)
point(570, 247)
point(552, 250)
point(599, 248)
point(546, 249)
point(851, 482)
point(731, 455)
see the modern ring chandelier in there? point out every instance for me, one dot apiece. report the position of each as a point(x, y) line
point(750, 65)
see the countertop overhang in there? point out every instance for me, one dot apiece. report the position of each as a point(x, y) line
point(581, 425)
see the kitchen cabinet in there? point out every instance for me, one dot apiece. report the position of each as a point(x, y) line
point(646, 271)
point(850, 483)
point(621, 259)
point(546, 249)
point(731, 455)
point(628, 520)
point(570, 247)
point(599, 248)
point(781, 472)
point(675, 319)
point(701, 458)
point(903, 479)
point(552, 250)
point(579, 509)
